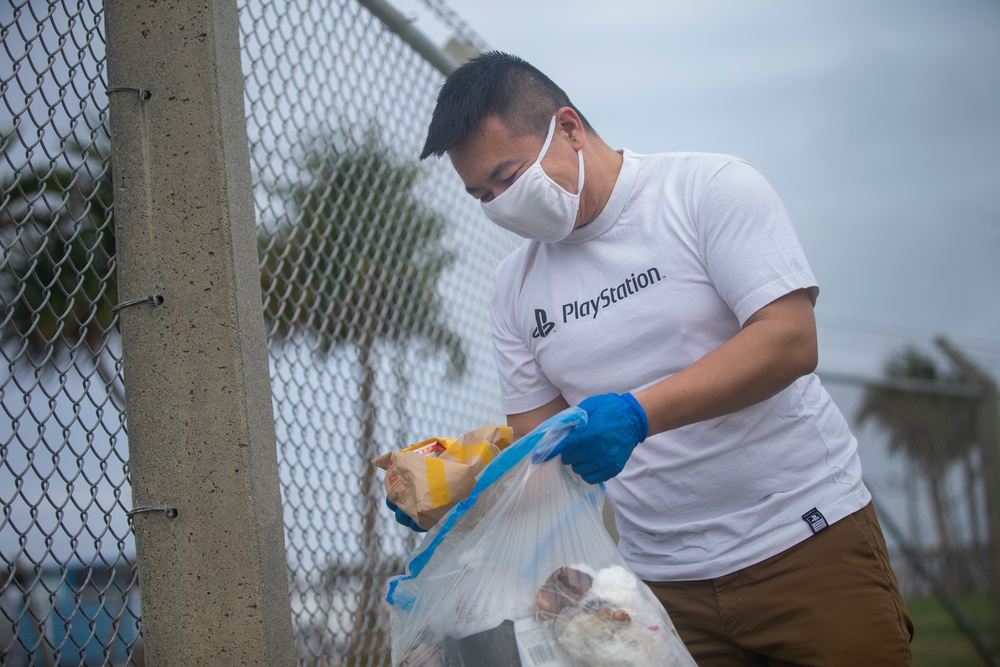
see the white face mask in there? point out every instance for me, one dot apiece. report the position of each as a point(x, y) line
point(535, 206)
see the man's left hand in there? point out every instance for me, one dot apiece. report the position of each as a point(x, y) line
point(598, 450)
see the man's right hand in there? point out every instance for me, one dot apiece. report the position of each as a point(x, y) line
point(403, 518)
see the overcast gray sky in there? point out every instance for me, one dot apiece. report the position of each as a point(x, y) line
point(878, 122)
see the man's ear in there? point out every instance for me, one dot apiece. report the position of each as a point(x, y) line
point(569, 122)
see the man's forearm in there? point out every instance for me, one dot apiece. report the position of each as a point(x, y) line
point(776, 346)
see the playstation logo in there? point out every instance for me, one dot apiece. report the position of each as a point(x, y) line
point(544, 327)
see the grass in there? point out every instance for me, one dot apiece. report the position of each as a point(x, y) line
point(938, 641)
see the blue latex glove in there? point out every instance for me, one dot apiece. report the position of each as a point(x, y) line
point(403, 518)
point(598, 450)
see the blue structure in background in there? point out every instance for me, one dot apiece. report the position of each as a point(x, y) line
point(89, 616)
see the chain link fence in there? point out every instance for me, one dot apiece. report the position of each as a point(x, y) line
point(921, 436)
point(69, 592)
point(376, 272)
point(924, 466)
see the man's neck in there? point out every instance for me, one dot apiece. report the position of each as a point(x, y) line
point(602, 165)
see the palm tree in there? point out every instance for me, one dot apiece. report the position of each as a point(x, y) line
point(933, 429)
point(357, 265)
point(57, 275)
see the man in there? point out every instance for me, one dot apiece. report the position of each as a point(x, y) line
point(669, 297)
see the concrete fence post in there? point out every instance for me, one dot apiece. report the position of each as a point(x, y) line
point(210, 543)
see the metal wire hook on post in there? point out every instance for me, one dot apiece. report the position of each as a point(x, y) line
point(142, 92)
point(153, 299)
point(169, 512)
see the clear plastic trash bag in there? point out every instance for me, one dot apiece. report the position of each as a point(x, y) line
point(523, 573)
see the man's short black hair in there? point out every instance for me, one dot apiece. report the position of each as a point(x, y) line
point(493, 84)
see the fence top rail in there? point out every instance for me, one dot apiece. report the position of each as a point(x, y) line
point(402, 26)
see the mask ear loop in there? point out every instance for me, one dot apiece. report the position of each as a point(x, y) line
point(545, 149)
point(579, 185)
point(547, 142)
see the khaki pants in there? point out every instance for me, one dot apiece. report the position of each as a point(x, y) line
point(830, 601)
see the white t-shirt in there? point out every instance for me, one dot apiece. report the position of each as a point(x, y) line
point(688, 247)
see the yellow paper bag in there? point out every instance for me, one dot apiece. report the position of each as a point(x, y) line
point(427, 479)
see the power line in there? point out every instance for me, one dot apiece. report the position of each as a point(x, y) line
point(909, 332)
point(871, 338)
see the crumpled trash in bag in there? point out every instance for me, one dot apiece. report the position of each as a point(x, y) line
point(603, 617)
point(522, 573)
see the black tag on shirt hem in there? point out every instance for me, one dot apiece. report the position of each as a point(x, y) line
point(816, 520)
